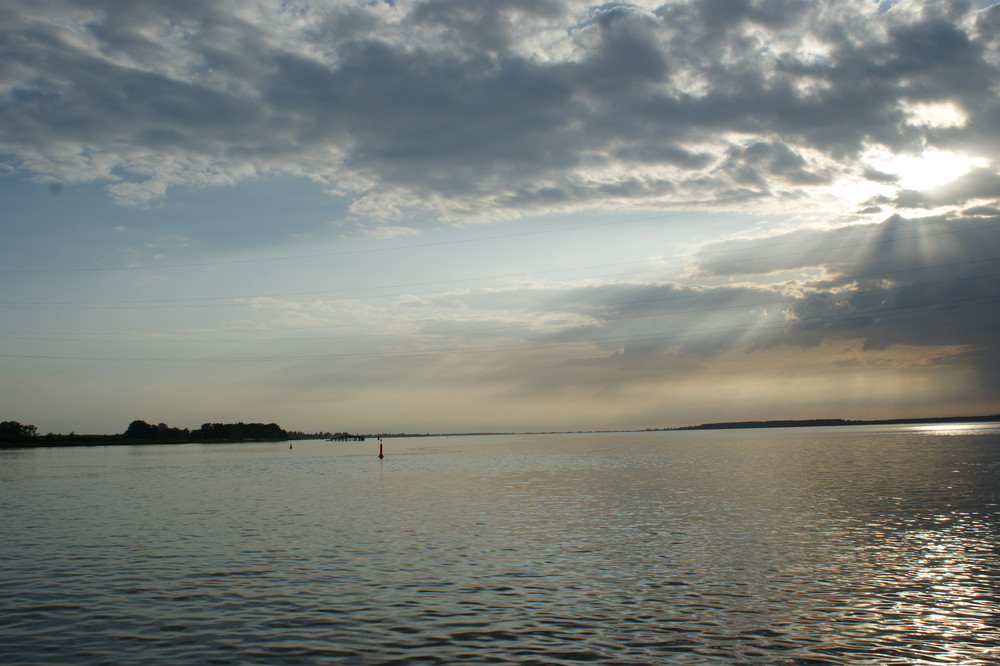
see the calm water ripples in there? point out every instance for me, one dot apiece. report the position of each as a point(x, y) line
point(858, 545)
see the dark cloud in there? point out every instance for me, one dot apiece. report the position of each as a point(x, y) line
point(921, 282)
point(762, 164)
point(880, 176)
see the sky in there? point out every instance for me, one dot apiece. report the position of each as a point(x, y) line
point(494, 216)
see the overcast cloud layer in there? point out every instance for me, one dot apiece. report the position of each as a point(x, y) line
point(858, 138)
point(496, 108)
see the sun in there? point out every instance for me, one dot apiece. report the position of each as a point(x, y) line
point(923, 171)
point(881, 173)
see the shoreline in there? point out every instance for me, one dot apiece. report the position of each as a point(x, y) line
point(824, 423)
point(56, 441)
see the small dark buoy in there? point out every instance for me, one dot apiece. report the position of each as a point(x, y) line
point(380, 456)
point(289, 446)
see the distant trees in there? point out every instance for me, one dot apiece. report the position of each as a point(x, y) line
point(208, 432)
point(236, 432)
point(14, 433)
point(298, 434)
point(142, 431)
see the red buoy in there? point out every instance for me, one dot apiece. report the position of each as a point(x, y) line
point(380, 450)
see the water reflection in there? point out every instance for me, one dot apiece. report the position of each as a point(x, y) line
point(951, 428)
point(836, 546)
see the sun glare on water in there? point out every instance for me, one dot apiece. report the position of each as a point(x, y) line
point(953, 428)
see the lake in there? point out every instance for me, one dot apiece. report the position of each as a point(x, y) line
point(849, 545)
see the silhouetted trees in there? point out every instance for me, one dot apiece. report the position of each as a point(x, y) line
point(209, 432)
point(13, 432)
point(142, 431)
point(236, 432)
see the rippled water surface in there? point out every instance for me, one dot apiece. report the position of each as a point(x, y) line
point(852, 545)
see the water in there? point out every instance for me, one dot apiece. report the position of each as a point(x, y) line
point(858, 545)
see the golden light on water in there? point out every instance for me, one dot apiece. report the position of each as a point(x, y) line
point(952, 428)
point(947, 597)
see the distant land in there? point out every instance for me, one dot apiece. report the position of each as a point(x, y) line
point(815, 423)
point(15, 435)
point(728, 425)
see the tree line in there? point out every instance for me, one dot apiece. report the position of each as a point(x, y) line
point(209, 432)
point(13, 433)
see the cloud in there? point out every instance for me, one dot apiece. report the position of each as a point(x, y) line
point(973, 186)
point(927, 283)
point(482, 110)
point(903, 295)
